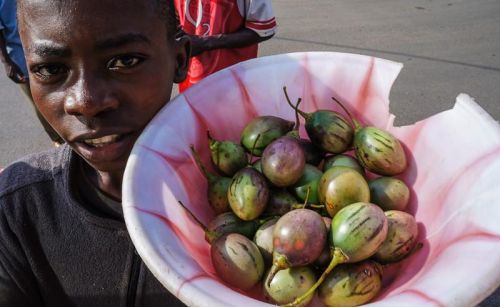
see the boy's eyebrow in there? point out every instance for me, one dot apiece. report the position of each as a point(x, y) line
point(49, 49)
point(46, 49)
point(121, 40)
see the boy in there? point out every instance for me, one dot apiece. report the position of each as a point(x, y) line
point(223, 33)
point(99, 70)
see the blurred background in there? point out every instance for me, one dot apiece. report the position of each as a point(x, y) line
point(447, 48)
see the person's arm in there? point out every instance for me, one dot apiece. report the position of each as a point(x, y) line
point(242, 38)
point(11, 69)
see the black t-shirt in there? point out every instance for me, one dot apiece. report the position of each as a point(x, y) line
point(57, 250)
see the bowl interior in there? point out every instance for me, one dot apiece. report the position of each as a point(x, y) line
point(453, 174)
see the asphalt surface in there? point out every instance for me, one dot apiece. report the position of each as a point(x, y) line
point(447, 48)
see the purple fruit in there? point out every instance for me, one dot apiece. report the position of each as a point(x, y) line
point(283, 161)
point(237, 260)
point(299, 237)
point(280, 202)
point(314, 155)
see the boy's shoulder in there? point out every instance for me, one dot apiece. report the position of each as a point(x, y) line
point(34, 168)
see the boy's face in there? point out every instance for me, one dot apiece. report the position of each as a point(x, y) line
point(99, 71)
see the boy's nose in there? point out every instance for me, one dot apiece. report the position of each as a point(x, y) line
point(89, 98)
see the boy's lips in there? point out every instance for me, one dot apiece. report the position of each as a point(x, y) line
point(105, 148)
point(102, 141)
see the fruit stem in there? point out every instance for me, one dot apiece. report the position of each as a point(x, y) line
point(200, 165)
point(301, 206)
point(213, 144)
point(307, 196)
point(338, 258)
point(355, 123)
point(194, 217)
point(296, 108)
point(279, 263)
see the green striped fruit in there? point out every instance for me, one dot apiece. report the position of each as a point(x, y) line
point(218, 186)
point(261, 131)
point(227, 156)
point(379, 151)
point(401, 237)
point(351, 284)
point(237, 260)
point(329, 131)
point(290, 283)
point(358, 230)
point(248, 193)
point(341, 186)
point(389, 193)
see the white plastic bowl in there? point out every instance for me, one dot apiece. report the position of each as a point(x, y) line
point(454, 175)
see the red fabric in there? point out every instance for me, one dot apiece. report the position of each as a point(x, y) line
point(214, 17)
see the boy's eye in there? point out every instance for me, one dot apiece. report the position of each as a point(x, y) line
point(46, 71)
point(123, 62)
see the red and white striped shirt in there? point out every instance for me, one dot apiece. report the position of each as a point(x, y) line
point(212, 17)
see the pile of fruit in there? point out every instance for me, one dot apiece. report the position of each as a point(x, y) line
point(300, 216)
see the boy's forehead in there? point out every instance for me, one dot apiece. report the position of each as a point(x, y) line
point(86, 22)
point(86, 7)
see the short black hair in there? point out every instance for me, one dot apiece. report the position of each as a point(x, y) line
point(166, 11)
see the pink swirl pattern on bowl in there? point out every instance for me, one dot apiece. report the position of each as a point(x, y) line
point(454, 175)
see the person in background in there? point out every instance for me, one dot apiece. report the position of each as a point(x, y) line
point(12, 57)
point(99, 70)
point(223, 33)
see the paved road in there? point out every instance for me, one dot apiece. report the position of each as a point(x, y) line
point(447, 47)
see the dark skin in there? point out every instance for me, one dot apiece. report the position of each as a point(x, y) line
point(98, 73)
point(11, 69)
point(242, 38)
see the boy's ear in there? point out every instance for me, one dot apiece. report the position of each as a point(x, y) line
point(183, 47)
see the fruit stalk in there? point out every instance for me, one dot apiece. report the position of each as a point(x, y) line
point(338, 258)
